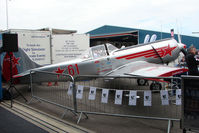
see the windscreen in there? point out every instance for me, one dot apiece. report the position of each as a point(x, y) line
point(98, 51)
point(111, 48)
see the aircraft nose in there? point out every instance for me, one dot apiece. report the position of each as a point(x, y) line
point(181, 45)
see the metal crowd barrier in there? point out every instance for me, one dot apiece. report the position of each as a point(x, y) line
point(97, 85)
point(43, 89)
point(88, 95)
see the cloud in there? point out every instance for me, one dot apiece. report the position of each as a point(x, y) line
point(90, 14)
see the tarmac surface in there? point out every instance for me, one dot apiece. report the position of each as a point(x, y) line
point(11, 123)
point(104, 123)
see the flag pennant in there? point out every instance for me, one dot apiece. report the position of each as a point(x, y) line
point(79, 93)
point(105, 93)
point(118, 97)
point(132, 98)
point(92, 93)
point(178, 97)
point(70, 89)
point(147, 98)
point(164, 97)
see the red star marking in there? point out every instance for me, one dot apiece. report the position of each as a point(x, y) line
point(59, 71)
point(15, 60)
point(168, 50)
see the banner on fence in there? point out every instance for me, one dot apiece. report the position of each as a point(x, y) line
point(132, 98)
point(147, 98)
point(105, 93)
point(178, 97)
point(79, 92)
point(164, 97)
point(70, 89)
point(118, 97)
point(92, 93)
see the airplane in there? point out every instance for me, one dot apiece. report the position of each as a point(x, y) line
point(145, 60)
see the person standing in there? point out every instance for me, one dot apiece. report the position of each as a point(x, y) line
point(191, 61)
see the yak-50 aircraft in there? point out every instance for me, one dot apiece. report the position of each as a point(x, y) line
point(106, 60)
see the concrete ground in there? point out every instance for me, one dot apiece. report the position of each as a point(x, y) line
point(102, 123)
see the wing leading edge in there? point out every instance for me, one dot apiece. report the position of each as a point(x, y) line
point(145, 69)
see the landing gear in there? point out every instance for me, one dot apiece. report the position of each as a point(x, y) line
point(141, 82)
point(155, 86)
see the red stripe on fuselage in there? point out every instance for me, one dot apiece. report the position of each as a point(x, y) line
point(146, 54)
point(139, 53)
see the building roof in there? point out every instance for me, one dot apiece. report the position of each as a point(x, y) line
point(111, 30)
point(116, 34)
point(54, 31)
point(59, 31)
point(108, 29)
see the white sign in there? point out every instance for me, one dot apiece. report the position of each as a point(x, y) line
point(36, 45)
point(70, 89)
point(178, 97)
point(92, 93)
point(79, 94)
point(147, 98)
point(118, 97)
point(164, 97)
point(105, 93)
point(132, 98)
point(68, 47)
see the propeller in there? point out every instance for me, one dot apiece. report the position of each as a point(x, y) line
point(180, 44)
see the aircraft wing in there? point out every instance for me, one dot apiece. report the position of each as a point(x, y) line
point(145, 69)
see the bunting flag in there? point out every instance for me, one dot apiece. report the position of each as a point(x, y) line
point(70, 89)
point(178, 97)
point(92, 93)
point(118, 97)
point(105, 93)
point(132, 98)
point(164, 97)
point(79, 93)
point(147, 98)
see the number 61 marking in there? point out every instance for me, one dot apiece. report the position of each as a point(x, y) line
point(71, 69)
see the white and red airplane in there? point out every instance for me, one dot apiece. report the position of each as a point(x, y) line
point(105, 60)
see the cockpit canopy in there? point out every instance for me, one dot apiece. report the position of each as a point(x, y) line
point(99, 51)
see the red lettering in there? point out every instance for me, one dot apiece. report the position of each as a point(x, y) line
point(71, 70)
point(77, 68)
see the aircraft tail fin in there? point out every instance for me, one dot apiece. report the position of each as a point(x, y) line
point(20, 63)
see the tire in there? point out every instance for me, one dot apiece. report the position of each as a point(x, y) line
point(155, 86)
point(141, 82)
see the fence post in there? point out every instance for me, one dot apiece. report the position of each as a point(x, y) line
point(31, 88)
point(74, 97)
point(169, 126)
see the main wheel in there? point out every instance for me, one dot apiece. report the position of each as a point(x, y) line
point(141, 82)
point(155, 86)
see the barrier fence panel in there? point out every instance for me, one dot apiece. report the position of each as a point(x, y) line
point(113, 96)
point(58, 92)
point(123, 97)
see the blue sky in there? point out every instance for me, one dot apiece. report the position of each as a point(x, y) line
point(86, 15)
